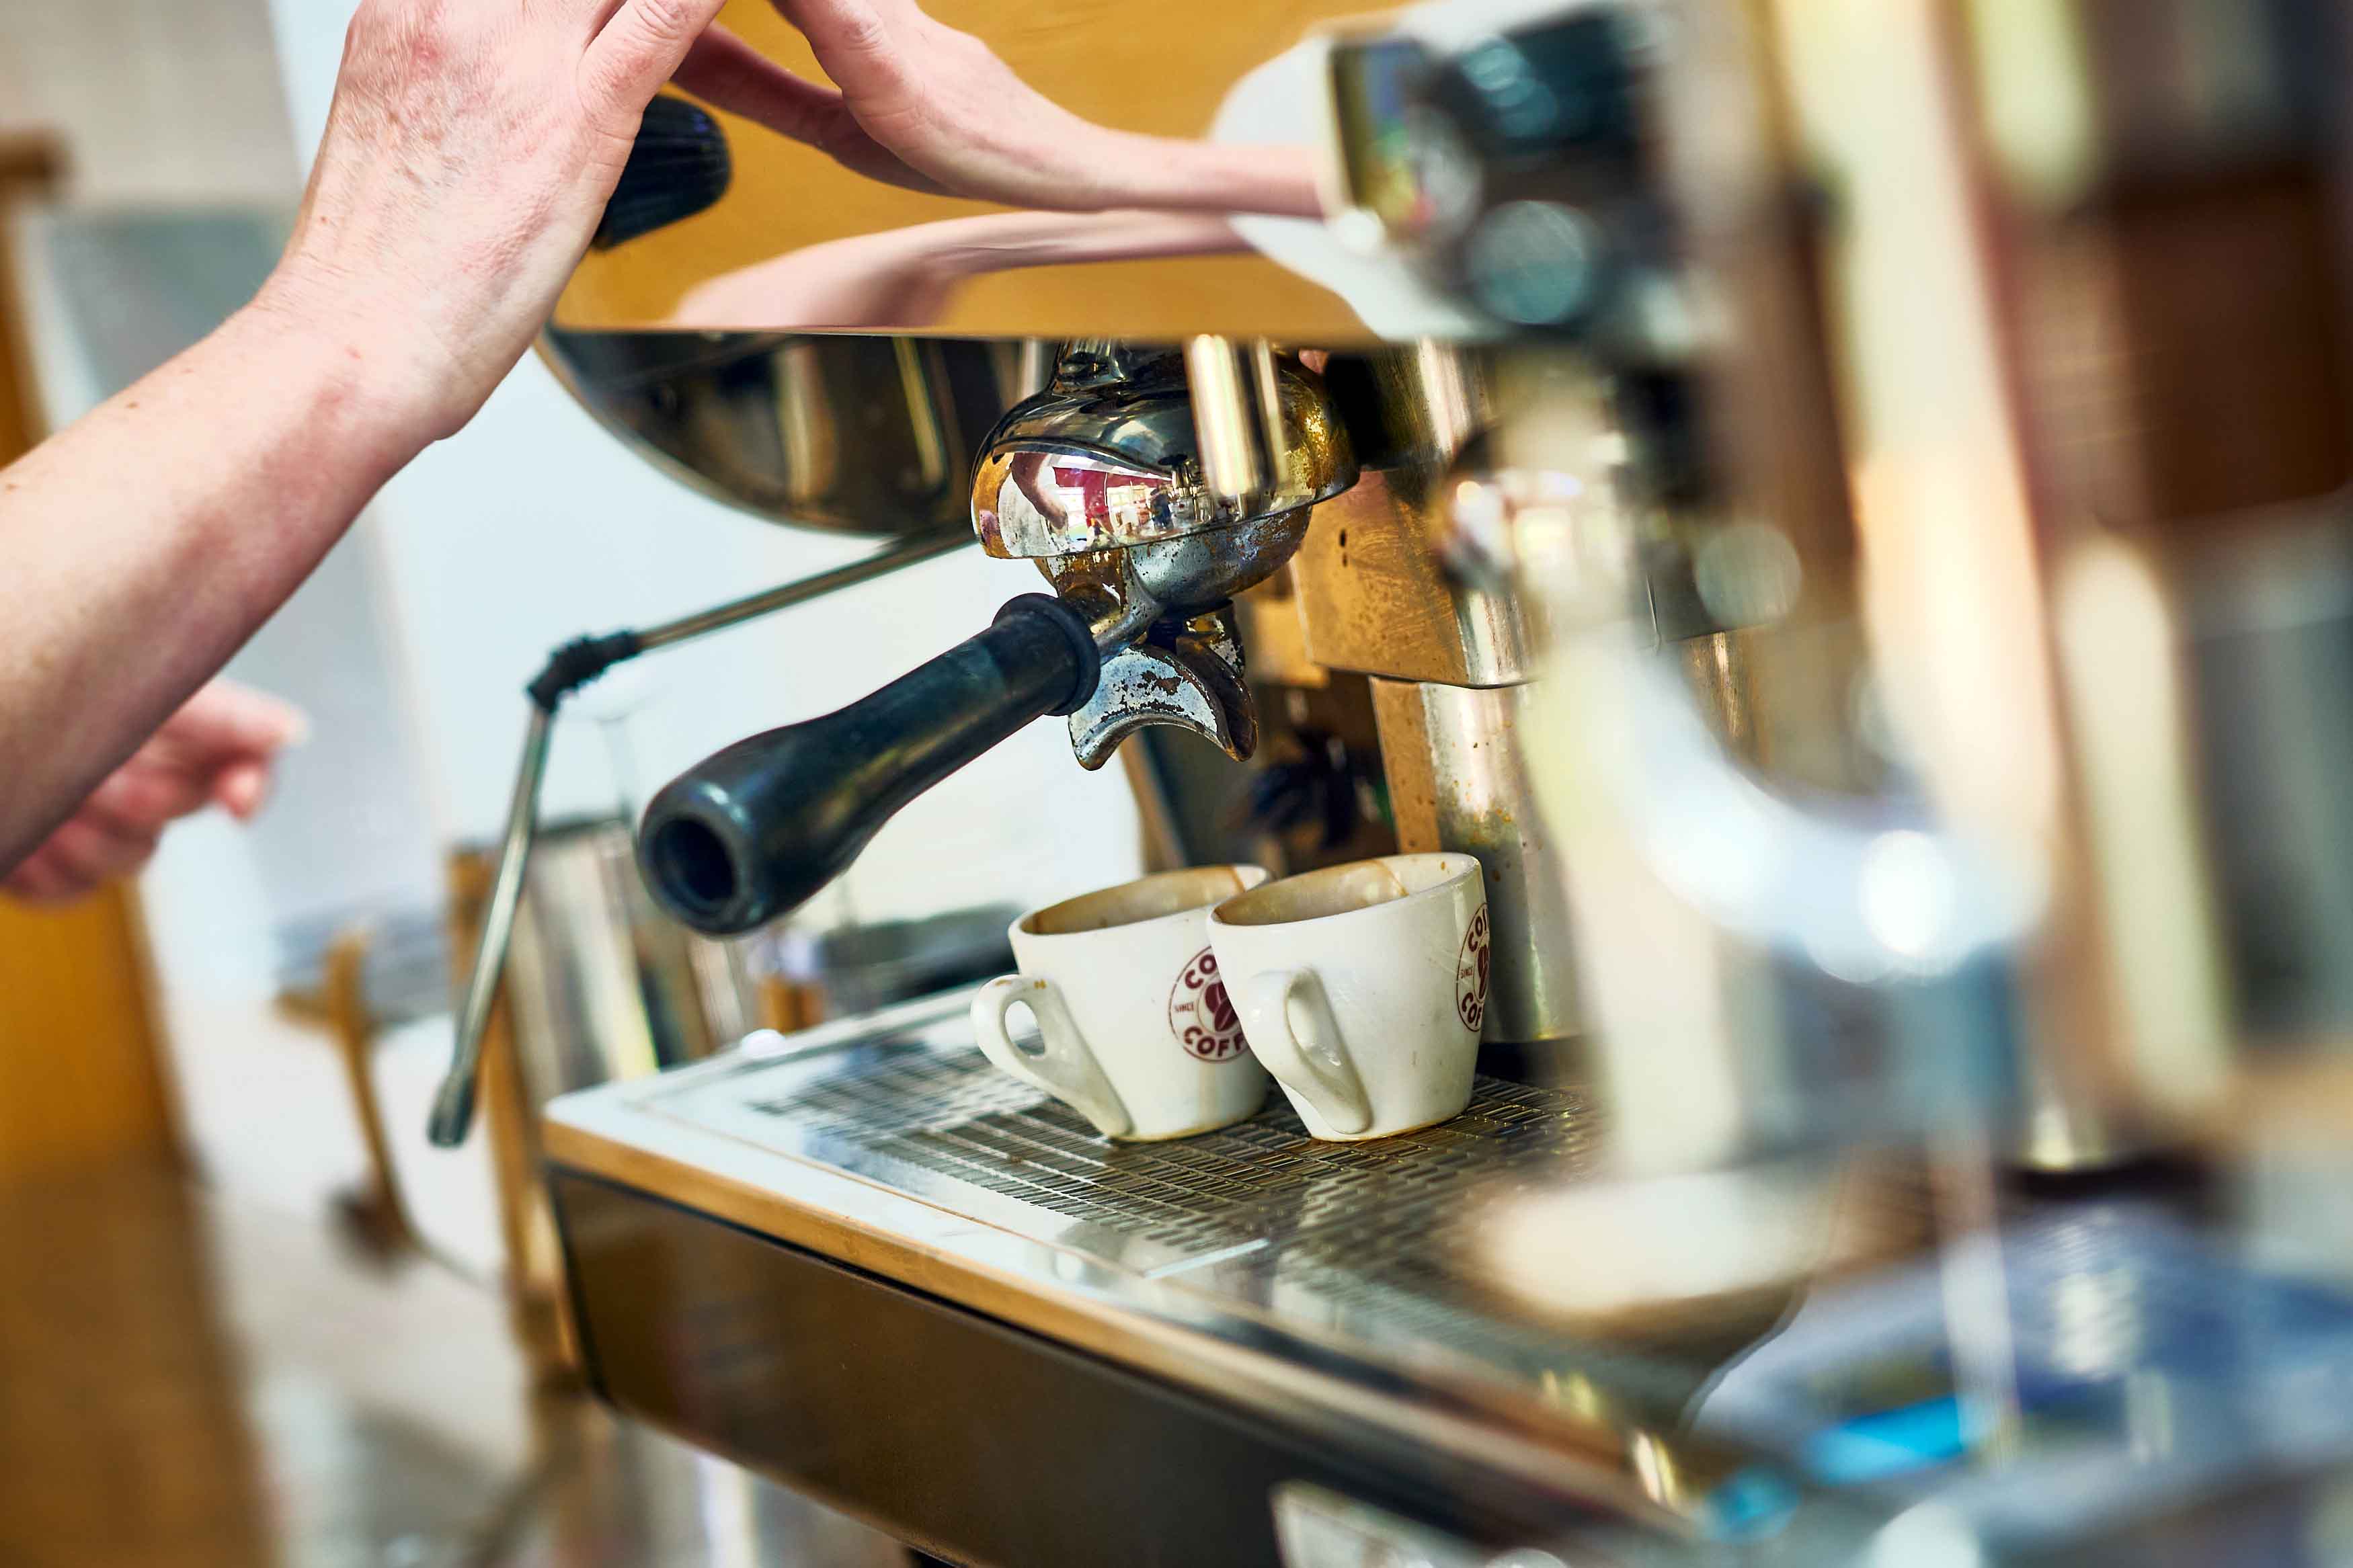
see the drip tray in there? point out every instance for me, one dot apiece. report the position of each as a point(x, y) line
point(1356, 1295)
point(1370, 1248)
point(954, 1128)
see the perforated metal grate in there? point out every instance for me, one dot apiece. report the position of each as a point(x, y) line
point(1264, 1180)
point(1368, 1237)
point(1380, 1251)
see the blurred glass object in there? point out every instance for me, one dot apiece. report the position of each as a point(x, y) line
point(603, 985)
point(863, 968)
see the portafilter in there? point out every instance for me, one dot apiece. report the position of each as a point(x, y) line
point(1150, 486)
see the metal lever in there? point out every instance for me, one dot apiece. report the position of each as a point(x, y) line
point(570, 667)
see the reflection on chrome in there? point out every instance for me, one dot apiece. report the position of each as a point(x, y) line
point(931, 109)
point(907, 279)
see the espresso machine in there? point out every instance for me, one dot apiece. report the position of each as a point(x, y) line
point(1838, 506)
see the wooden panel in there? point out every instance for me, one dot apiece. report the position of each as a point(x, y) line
point(79, 1082)
point(124, 1438)
point(28, 164)
point(79, 1079)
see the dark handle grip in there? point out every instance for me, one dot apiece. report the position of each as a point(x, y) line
point(757, 830)
point(678, 167)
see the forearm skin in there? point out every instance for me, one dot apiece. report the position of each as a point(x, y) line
point(141, 548)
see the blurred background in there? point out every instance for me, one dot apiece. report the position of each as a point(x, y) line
point(1850, 519)
point(151, 153)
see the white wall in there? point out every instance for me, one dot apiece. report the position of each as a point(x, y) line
point(158, 101)
point(535, 526)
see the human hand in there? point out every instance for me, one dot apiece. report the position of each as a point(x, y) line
point(919, 104)
point(467, 159)
point(889, 279)
point(902, 279)
point(217, 750)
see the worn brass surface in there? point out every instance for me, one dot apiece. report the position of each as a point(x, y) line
point(1458, 777)
point(1193, 681)
point(1374, 593)
point(1276, 638)
point(1375, 597)
point(1164, 75)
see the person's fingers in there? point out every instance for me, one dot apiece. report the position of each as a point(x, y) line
point(40, 880)
point(144, 795)
point(853, 39)
point(725, 71)
point(92, 854)
point(226, 720)
point(640, 48)
point(243, 789)
point(601, 14)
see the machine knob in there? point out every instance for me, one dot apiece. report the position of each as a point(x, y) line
point(759, 829)
point(680, 167)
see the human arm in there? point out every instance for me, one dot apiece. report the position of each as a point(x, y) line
point(920, 104)
point(219, 750)
point(469, 156)
point(905, 279)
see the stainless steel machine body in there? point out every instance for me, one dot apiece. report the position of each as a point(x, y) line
point(861, 1259)
point(1839, 507)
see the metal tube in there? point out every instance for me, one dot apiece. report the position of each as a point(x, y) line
point(891, 558)
point(1114, 629)
point(1236, 461)
point(453, 1107)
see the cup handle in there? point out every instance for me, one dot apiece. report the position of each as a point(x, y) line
point(1066, 1069)
point(1318, 1069)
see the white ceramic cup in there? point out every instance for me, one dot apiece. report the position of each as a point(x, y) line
point(1362, 989)
point(1139, 1036)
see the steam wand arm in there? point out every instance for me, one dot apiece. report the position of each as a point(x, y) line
point(453, 1105)
point(574, 665)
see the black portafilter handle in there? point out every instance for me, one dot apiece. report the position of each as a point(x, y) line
point(678, 168)
point(756, 831)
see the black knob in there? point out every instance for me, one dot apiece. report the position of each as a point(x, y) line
point(680, 167)
point(757, 830)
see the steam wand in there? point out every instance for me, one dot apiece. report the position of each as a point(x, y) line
point(570, 667)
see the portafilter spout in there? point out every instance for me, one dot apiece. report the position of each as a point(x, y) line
point(1100, 480)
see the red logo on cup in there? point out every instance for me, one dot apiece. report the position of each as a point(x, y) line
point(1471, 974)
point(1201, 1016)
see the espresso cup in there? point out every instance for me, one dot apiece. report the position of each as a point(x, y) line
point(1138, 1035)
point(1362, 989)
